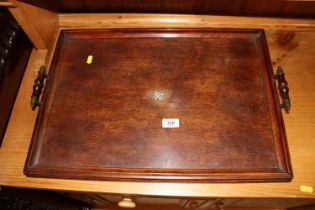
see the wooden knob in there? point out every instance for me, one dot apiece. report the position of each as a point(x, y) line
point(219, 206)
point(127, 203)
point(193, 204)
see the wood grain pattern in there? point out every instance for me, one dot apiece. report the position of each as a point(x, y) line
point(216, 84)
point(306, 207)
point(295, 55)
point(266, 8)
point(38, 19)
point(105, 201)
point(299, 8)
point(94, 21)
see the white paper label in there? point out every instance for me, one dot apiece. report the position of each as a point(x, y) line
point(170, 123)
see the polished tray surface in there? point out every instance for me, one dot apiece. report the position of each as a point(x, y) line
point(108, 92)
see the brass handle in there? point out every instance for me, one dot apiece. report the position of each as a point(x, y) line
point(38, 87)
point(283, 89)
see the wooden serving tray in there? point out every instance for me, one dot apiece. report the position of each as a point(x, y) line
point(103, 120)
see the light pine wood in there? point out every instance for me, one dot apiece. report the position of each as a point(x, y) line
point(297, 59)
point(38, 19)
point(105, 201)
point(28, 27)
point(181, 21)
point(6, 4)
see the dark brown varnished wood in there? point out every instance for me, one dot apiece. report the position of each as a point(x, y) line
point(266, 8)
point(103, 120)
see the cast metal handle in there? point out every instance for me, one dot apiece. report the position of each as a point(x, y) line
point(38, 87)
point(283, 90)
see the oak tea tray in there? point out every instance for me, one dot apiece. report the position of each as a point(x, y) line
point(188, 105)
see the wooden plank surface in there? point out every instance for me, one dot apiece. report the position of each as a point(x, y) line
point(6, 4)
point(293, 50)
point(81, 20)
point(38, 19)
point(291, 8)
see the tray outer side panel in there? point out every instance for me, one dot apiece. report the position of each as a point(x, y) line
point(103, 120)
